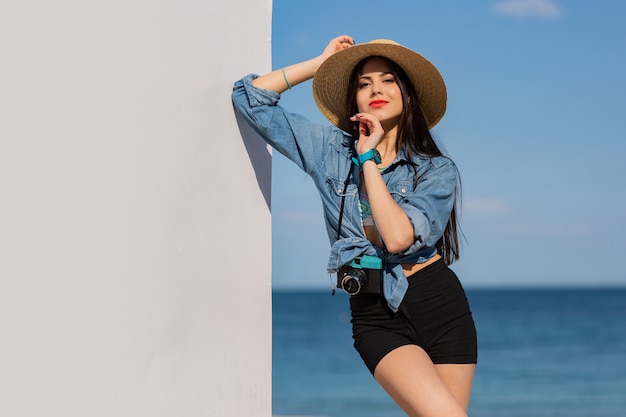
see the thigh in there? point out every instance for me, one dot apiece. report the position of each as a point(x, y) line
point(410, 378)
point(377, 330)
point(437, 307)
point(458, 379)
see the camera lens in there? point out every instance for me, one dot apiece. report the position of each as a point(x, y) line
point(352, 281)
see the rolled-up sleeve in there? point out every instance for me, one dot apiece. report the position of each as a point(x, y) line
point(429, 206)
point(292, 135)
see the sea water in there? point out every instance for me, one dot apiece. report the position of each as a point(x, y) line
point(542, 353)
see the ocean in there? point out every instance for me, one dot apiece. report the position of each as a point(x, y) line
point(542, 353)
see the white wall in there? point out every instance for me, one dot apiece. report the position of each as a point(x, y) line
point(134, 223)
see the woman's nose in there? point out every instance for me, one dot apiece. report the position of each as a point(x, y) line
point(376, 88)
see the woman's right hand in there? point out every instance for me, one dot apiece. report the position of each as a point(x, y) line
point(336, 45)
point(284, 78)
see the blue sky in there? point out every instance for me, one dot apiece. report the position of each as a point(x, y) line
point(535, 122)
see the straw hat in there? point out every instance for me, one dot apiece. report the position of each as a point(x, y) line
point(330, 84)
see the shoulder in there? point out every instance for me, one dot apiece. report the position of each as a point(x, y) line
point(434, 170)
point(442, 162)
point(425, 163)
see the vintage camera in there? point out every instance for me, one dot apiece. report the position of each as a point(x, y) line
point(363, 275)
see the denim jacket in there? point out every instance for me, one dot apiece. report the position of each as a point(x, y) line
point(425, 190)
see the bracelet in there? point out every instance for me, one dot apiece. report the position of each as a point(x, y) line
point(286, 80)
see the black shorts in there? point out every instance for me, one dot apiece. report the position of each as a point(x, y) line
point(434, 315)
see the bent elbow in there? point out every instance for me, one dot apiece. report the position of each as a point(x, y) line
point(399, 245)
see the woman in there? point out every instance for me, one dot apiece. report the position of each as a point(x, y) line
point(389, 199)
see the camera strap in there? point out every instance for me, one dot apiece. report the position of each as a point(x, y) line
point(343, 199)
point(343, 203)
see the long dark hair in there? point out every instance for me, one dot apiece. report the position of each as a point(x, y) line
point(414, 136)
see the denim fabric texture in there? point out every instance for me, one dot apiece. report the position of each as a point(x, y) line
point(425, 190)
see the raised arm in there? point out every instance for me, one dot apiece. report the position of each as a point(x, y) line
point(285, 78)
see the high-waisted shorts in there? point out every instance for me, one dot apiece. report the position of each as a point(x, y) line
point(434, 315)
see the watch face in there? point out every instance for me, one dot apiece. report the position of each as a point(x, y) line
point(377, 157)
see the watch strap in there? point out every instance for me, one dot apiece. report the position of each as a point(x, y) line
point(372, 154)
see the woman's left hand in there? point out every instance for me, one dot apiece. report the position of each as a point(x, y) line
point(371, 132)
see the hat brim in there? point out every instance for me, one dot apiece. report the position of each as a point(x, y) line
point(330, 84)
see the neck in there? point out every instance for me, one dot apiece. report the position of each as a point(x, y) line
point(388, 146)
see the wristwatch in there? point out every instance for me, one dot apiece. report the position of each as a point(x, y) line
point(366, 156)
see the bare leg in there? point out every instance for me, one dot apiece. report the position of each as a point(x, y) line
point(458, 379)
point(417, 386)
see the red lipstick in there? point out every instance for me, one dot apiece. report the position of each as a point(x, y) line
point(378, 103)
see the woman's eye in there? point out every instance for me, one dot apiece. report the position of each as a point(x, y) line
point(363, 85)
point(389, 80)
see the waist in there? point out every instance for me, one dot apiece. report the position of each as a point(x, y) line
point(410, 269)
